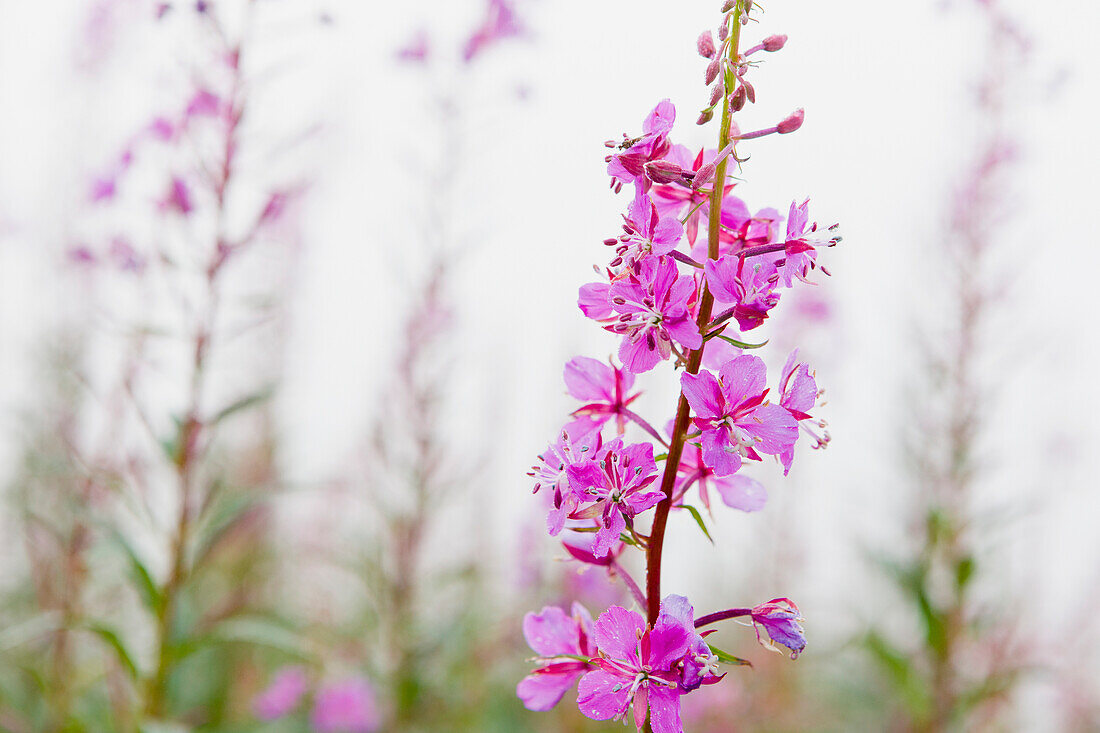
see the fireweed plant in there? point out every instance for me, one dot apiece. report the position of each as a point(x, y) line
point(691, 272)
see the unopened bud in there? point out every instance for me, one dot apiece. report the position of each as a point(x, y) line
point(705, 44)
point(723, 31)
point(716, 93)
point(729, 5)
point(792, 123)
point(703, 176)
point(750, 92)
point(663, 171)
point(737, 101)
point(774, 43)
point(712, 71)
point(705, 116)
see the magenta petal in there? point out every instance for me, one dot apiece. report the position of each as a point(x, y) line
point(590, 380)
point(743, 377)
point(685, 331)
point(637, 357)
point(774, 426)
point(668, 642)
point(602, 695)
point(608, 535)
point(703, 394)
point(742, 492)
point(664, 710)
point(718, 453)
point(594, 302)
point(616, 633)
point(542, 691)
point(551, 632)
point(721, 277)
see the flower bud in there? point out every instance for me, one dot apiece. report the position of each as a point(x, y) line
point(774, 43)
point(723, 31)
point(792, 123)
point(663, 171)
point(716, 93)
point(712, 71)
point(729, 5)
point(705, 44)
point(737, 101)
point(705, 116)
point(704, 175)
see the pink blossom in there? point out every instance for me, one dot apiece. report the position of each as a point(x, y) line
point(680, 201)
point(747, 284)
point(282, 696)
point(801, 244)
point(733, 416)
point(628, 164)
point(644, 669)
point(203, 103)
point(778, 622)
point(550, 471)
point(604, 388)
point(799, 393)
point(654, 304)
point(557, 639)
point(103, 189)
point(647, 232)
point(612, 487)
point(347, 706)
point(178, 198)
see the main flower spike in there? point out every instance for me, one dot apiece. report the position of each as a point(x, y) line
point(676, 296)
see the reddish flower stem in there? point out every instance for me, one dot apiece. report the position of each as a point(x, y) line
point(695, 358)
point(713, 618)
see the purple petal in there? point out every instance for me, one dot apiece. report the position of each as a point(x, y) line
point(637, 357)
point(551, 632)
point(594, 301)
point(718, 452)
point(774, 426)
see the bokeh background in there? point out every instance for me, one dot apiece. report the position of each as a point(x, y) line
point(391, 334)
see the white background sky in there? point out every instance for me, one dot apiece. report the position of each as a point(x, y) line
point(887, 127)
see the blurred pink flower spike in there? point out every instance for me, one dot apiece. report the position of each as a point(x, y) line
point(124, 257)
point(282, 696)
point(778, 622)
point(347, 706)
point(500, 23)
point(558, 639)
point(178, 199)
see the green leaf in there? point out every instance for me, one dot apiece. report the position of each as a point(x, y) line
point(699, 520)
point(964, 571)
point(739, 344)
point(146, 587)
point(112, 639)
point(907, 683)
point(727, 658)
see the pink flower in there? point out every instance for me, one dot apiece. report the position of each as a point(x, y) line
point(556, 638)
point(734, 419)
point(679, 200)
point(500, 22)
point(799, 393)
point(748, 284)
point(283, 694)
point(654, 304)
point(347, 706)
point(628, 164)
point(615, 484)
point(780, 622)
point(647, 232)
point(604, 388)
point(178, 198)
point(736, 491)
point(801, 244)
point(647, 669)
point(551, 467)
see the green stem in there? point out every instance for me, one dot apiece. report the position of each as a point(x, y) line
point(695, 358)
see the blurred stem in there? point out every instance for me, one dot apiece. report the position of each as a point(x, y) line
point(192, 446)
point(695, 358)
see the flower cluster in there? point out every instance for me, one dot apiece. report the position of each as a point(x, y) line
point(673, 295)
